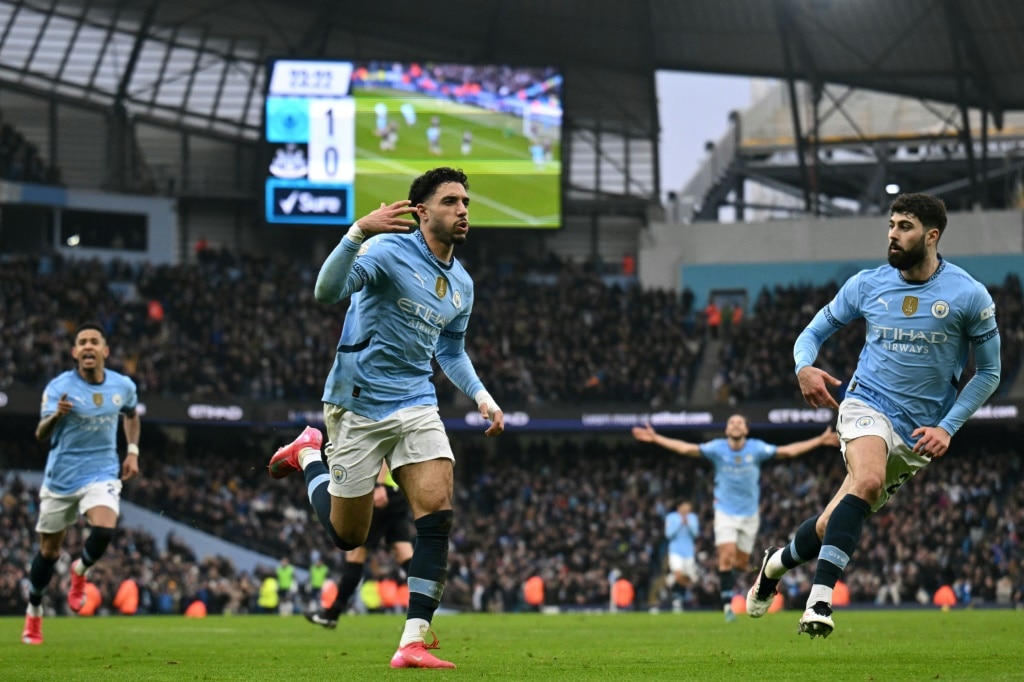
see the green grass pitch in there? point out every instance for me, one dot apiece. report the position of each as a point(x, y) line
point(867, 645)
point(506, 188)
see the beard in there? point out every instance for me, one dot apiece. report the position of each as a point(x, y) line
point(907, 259)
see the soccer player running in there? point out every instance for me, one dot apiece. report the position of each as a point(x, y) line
point(737, 460)
point(392, 522)
point(80, 412)
point(681, 530)
point(901, 408)
point(411, 301)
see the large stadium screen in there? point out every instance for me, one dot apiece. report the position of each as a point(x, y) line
point(344, 136)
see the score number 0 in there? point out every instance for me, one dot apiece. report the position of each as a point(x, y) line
point(332, 141)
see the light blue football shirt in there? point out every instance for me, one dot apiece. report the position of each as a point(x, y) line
point(681, 534)
point(83, 446)
point(737, 473)
point(407, 306)
point(918, 338)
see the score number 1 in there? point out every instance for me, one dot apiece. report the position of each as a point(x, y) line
point(332, 141)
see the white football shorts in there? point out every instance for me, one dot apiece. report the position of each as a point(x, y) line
point(57, 512)
point(857, 419)
point(739, 529)
point(686, 566)
point(357, 445)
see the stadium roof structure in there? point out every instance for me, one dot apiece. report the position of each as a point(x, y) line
point(199, 63)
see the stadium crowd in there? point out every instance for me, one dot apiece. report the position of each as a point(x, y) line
point(245, 327)
point(248, 327)
point(566, 509)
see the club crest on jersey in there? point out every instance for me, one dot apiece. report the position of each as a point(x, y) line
point(456, 299)
point(865, 422)
point(338, 474)
point(117, 400)
point(441, 287)
point(940, 309)
point(97, 399)
point(909, 305)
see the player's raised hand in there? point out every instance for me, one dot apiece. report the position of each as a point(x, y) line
point(814, 385)
point(388, 218)
point(644, 434)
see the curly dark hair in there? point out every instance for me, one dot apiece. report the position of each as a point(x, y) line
point(424, 186)
point(91, 325)
point(930, 210)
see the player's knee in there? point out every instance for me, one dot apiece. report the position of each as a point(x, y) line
point(868, 487)
point(350, 540)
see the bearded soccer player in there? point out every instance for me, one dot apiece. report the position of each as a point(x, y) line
point(411, 301)
point(901, 409)
point(79, 416)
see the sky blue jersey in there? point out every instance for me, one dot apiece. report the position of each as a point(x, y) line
point(83, 447)
point(737, 473)
point(407, 307)
point(681, 534)
point(918, 338)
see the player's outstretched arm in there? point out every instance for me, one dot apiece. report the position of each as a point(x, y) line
point(828, 438)
point(647, 434)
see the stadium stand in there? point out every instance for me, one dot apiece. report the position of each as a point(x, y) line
point(248, 327)
point(570, 510)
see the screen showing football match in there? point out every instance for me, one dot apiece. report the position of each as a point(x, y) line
point(345, 136)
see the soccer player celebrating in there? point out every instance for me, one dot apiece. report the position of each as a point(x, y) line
point(80, 411)
point(737, 460)
point(411, 301)
point(901, 408)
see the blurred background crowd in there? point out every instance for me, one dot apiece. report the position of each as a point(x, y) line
point(231, 326)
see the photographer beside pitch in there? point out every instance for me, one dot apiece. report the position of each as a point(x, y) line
point(902, 407)
point(410, 302)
